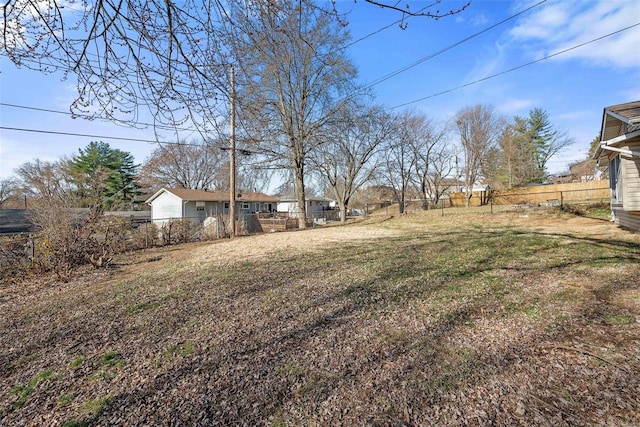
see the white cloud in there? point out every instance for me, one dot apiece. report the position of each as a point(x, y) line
point(561, 25)
point(478, 20)
point(487, 63)
point(512, 107)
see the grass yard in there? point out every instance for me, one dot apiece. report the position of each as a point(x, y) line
point(515, 318)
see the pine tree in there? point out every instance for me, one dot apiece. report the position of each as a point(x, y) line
point(105, 177)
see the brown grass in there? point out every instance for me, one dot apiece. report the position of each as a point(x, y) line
point(516, 318)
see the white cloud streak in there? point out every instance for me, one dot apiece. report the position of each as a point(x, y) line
point(562, 24)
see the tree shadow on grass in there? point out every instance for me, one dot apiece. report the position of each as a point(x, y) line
point(339, 354)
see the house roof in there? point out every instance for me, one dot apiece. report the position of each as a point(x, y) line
point(14, 221)
point(619, 123)
point(187, 194)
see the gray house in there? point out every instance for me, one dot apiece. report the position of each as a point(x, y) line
point(197, 205)
point(620, 150)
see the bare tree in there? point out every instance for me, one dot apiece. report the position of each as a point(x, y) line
point(479, 129)
point(427, 11)
point(130, 58)
point(186, 165)
point(516, 164)
point(46, 180)
point(293, 70)
point(350, 158)
point(432, 157)
point(399, 160)
point(9, 189)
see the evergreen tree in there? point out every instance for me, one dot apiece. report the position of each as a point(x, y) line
point(542, 134)
point(105, 177)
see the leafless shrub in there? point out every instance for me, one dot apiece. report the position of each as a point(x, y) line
point(145, 235)
point(73, 237)
point(176, 231)
point(14, 255)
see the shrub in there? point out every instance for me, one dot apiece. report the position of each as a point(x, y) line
point(176, 231)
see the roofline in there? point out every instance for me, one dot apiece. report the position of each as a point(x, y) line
point(155, 195)
point(629, 153)
point(608, 145)
point(239, 199)
point(619, 116)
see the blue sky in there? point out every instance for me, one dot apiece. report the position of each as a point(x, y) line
point(573, 87)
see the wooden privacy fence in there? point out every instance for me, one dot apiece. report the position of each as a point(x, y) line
point(278, 224)
point(549, 195)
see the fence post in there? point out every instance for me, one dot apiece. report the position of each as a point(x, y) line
point(491, 205)
point(441, 208)
point(561, 201)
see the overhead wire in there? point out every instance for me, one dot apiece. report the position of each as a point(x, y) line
point(450, 47)
point(515, 68)
point(371, 84)
point(84, 135)
point(88, 117)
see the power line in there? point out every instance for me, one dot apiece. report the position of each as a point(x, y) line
point(84, 135)
point(433, 55)
point(515, 68)
point(84, 116)
point(441, 51)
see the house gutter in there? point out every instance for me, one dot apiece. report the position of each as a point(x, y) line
point(607, 145)
point(629, 153)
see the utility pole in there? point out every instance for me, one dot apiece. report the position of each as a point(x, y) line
point(232, 158)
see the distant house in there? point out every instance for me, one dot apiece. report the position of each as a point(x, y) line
point(586, 170)
point(620, 150)
point(315, 205)
point(197, 205)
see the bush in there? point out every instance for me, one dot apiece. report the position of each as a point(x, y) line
point(73, 237)
point(15, 255)
point(145, 235)
point(176, 231)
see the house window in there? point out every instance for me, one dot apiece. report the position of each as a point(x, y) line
point(226, 205)
point(614, 180)
point(199, 206)
point(245, 206)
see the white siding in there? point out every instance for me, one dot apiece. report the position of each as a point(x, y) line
point(631, 172)
point(287, 207)
point(164, 207)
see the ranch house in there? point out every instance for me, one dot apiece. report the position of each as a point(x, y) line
point(196, 205)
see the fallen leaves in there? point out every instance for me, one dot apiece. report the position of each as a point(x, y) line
point(406, 322)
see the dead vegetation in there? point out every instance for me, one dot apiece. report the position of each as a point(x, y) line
point(504, 319)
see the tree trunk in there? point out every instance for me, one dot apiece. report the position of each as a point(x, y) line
point(302, 202)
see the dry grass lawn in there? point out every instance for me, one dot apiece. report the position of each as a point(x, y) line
point(516, 318)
